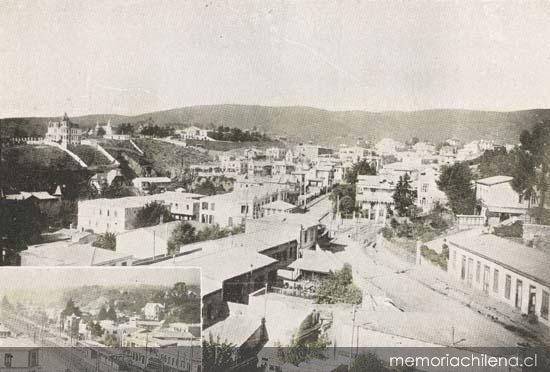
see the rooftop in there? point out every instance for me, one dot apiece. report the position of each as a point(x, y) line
point(64, 253)
point(214, 263)
point(248, 194)
point(236, 329)
point(379, 181)
point(489, 181)
point(516, 257)
point(318, 261)
point(305, 219)
point(279, 204)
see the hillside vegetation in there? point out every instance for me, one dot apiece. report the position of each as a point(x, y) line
point(322, 126)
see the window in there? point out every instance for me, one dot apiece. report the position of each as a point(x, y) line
point(519, 293)
point(100, 212)
point(545, 305)
point(486, 278)
point(478, 271)
point(212, 205)
point(470, 271)
point(7, 360)
point(424, 187)
point(107, 213)
point(463, 268)
point(507, 286)
point(116, 214)
point(495, 281)
point(205, 205)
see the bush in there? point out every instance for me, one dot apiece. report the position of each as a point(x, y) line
point(387, 233)
point(438, 259)
point(514, 230)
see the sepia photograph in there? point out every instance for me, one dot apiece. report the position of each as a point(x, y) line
point(238, 185)
point(100, 319)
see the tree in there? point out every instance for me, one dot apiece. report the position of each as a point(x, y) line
point(95, 329)
point(106, 241)
point(456, 182)
point(338, 288)
point(307, 343)
point(6, 305)
point(102, 315)
point(111, 313)
point(70, 309)
point(359, 169)
point(101, 131)
point(184, 233)
point(182, 307)
point(217, 356)
point(404, 196)
point(345, 194)
point(151, 214)
point(533, 168)
point(111, 341)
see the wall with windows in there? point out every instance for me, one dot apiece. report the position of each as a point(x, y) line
point(503, 283)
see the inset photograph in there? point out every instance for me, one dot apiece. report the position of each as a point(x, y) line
point(100, 319)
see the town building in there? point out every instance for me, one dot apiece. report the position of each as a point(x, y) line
point(194, 133)
point(274, 153)
point(144, 184)
point(153, 311)
point(63, 132)
point(110, 215)
point(183, 205)
point(428, 194)
point(277, 207)
point(503, 269)
point(498, 201)
point(232, 209)
point(374, 194)
point(17, 353)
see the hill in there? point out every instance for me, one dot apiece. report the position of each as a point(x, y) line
point(330, 127)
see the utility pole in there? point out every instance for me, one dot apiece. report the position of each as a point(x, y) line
point(352, 336)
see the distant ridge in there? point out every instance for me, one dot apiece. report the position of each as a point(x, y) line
point(329, 127)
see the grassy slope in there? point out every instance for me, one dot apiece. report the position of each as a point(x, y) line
point(305, 123)
point(167, 158)
point(90, 155)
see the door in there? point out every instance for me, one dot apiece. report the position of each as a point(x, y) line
point(532, 299)
point(519, 293)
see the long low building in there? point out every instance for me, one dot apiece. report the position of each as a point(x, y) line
point(508, 271)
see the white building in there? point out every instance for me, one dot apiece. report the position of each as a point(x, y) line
point(146, 242)
point(110, 215)
point(145, 183)
point(274, 153)
point(183, 205)
point(505, 270)
point(352, 153)
point(153, 310)
point(499, 201)
point(374, 194)
point(194, 133)
point(64, 132)
point(231, 209)
point(388, 146)
point(428, 193)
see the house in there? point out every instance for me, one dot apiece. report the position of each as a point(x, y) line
point(248, 336)
point(502, 269)
point(352, 153)
point(183, 205)
point(428, 194)
point(233, 208)
point(111, 215)
point(153, 310)
point(274, 153)
point(63, 132)
point(312, 265)
point(374, 194)
point(145, 183)
point(277, 207)
point(194, 133)
point(43, 199)
point(498, 201)
point(301, 227)
point(18, 353)
point(388, 146)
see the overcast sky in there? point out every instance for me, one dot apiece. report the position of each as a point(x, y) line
point(135, 56)
point(66, 277)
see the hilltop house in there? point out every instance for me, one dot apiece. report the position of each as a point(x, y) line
point(63, 132)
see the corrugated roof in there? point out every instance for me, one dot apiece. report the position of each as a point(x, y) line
point(516, 257)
